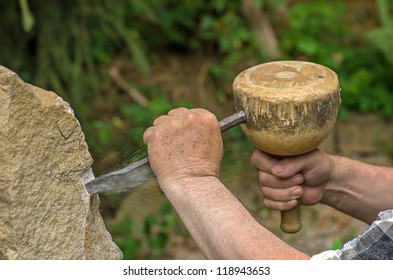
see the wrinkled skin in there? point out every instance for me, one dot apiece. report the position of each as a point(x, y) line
point(301, 177)
point(188, 139)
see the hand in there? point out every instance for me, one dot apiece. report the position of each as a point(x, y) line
point(302, 177)
point(184, 143)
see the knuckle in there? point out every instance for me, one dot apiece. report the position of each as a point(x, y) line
point(159, 119)
point(199, 110)
point(255, 158)
point(147, 135)
point(177, 110)
point(265, 190)
point(205, 114)
point(189, 118)
point(268, 203)
point(262, 177)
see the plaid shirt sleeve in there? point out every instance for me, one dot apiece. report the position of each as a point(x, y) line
point(374, 244)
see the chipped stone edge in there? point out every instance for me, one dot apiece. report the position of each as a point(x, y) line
point(86, 177)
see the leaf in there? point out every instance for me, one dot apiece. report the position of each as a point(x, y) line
point(337, 244)
point(135, 47)
point(382, 39)
point(384, 8)
point(27, 17)
point(308, 45)
point(159, 241)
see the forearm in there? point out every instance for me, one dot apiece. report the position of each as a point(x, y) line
point(220, 225)
point(359, 189)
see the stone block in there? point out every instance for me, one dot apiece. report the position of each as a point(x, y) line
point(45, 210)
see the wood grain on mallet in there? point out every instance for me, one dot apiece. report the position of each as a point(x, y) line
point(291, 107)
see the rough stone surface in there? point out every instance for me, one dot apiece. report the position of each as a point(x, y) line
point(45, 211)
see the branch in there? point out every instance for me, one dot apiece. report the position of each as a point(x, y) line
point(132, 92)
point(262, 29)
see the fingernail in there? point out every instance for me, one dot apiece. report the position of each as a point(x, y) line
point(296, 193)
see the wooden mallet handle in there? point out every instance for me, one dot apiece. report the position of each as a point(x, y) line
point(290, 220)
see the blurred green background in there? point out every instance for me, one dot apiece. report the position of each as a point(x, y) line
point(122, 63)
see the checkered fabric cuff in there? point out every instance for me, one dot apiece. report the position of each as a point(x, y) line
point(374, 244)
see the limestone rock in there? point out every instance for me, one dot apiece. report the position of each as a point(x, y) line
point(45, 211)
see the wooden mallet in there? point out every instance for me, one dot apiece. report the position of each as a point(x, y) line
point(291, 107)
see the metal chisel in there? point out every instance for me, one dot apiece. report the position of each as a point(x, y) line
point(139, 173)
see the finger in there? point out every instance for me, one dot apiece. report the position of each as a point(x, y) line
point(266, 179)
point(160, 119)
point(147, 134)
point(204, 112)
point(263, 161)
point(282, 195)
point(278, 205)
point(177, 111)
point(206, 115)
point(291, 165)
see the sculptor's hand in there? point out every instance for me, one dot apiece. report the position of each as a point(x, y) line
point(184, 143)
point(301, 177)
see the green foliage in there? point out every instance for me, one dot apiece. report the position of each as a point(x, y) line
point(61, 44)
point(337, 244)
point(367, 89)
point(198, 25)
point(144, 117)
point(147, 240)
point(382, 37)
point(350, 234)
point(64, 46)
point(318, 33)
point(27, 17)
point(122, 235)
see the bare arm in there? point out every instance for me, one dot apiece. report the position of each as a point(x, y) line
point(185, 151)
point(359, 189)
point(220, 224)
